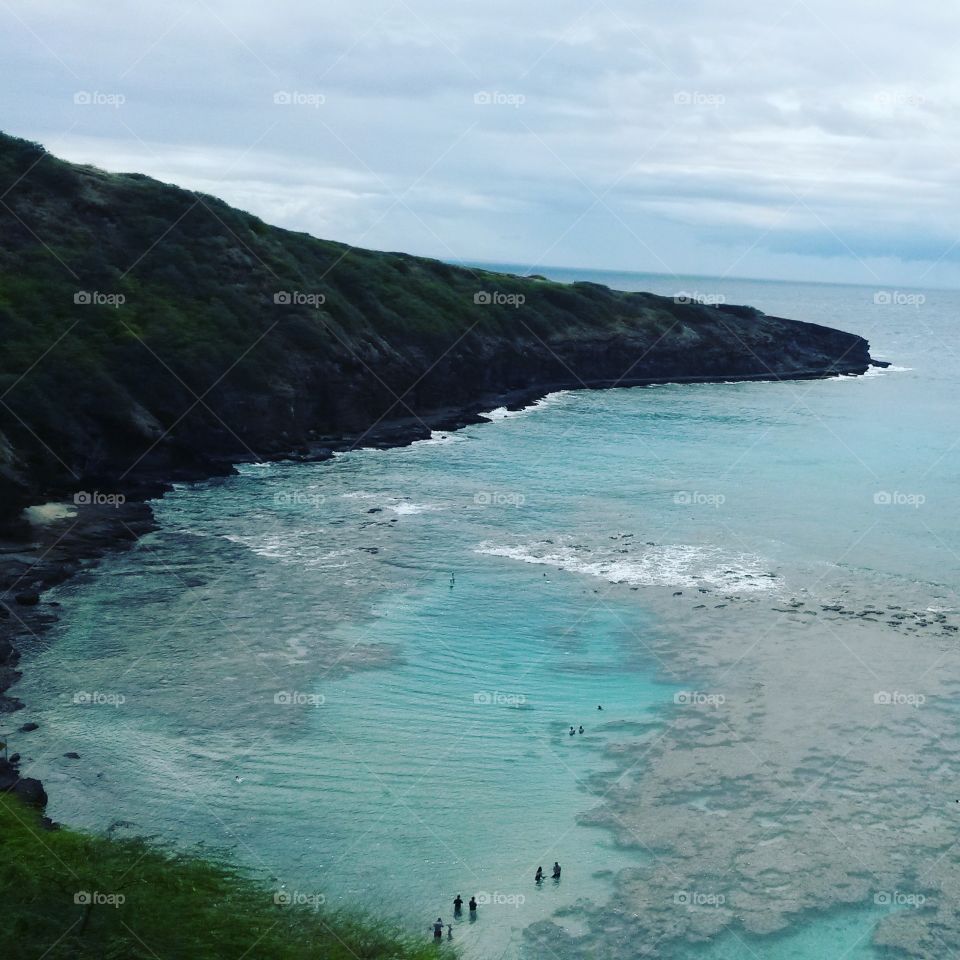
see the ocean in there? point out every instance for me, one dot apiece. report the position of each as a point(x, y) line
point(359, 678)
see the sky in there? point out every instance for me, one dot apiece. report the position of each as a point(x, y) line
point(812, 140)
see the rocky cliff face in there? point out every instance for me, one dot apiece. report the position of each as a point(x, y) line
point(151, 333)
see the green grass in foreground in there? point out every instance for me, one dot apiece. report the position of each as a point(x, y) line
point(67, 894)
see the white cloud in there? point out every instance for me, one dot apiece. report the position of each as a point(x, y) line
point(613, 136)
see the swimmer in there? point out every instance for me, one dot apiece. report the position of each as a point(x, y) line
point(539, 877)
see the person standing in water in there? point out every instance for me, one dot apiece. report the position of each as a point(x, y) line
point(438, 929)
point(556, 870)
point(581, 728)
point(539, 877)
point(458, 905)
point(473, 907)
point(572, 731)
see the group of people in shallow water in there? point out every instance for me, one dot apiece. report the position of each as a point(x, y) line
point(574, 730)
point(438, 924)
point(457, 911)
point(538, 877)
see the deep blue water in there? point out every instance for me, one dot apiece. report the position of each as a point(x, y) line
point(388, 650)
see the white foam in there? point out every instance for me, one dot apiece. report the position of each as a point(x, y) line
point(871, 373)
point(502, 413)
point(300, 551)
point(671, 565)
point(439, 438)
point(404, 508)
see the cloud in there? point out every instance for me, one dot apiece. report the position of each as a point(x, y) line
point(684, 137)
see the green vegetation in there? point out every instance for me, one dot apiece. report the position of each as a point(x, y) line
point(149, 330)
point(72, 896)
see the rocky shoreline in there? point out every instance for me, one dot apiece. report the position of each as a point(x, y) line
point(48, 544)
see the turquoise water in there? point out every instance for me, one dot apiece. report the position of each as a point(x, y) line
point(358, 677)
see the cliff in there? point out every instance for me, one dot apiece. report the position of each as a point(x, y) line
point(153, 333)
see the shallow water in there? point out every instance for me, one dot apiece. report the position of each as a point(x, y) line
point(388, 650)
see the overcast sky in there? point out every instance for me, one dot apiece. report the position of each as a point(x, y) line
point(812, 140)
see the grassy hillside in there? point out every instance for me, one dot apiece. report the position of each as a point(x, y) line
point(148, 331)
point(71, 896)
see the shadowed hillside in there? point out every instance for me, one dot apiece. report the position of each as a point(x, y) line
point(151, 333)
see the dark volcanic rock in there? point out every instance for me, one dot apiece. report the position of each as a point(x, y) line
point(29, 726)
point(28, 789)
point(386, 348)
